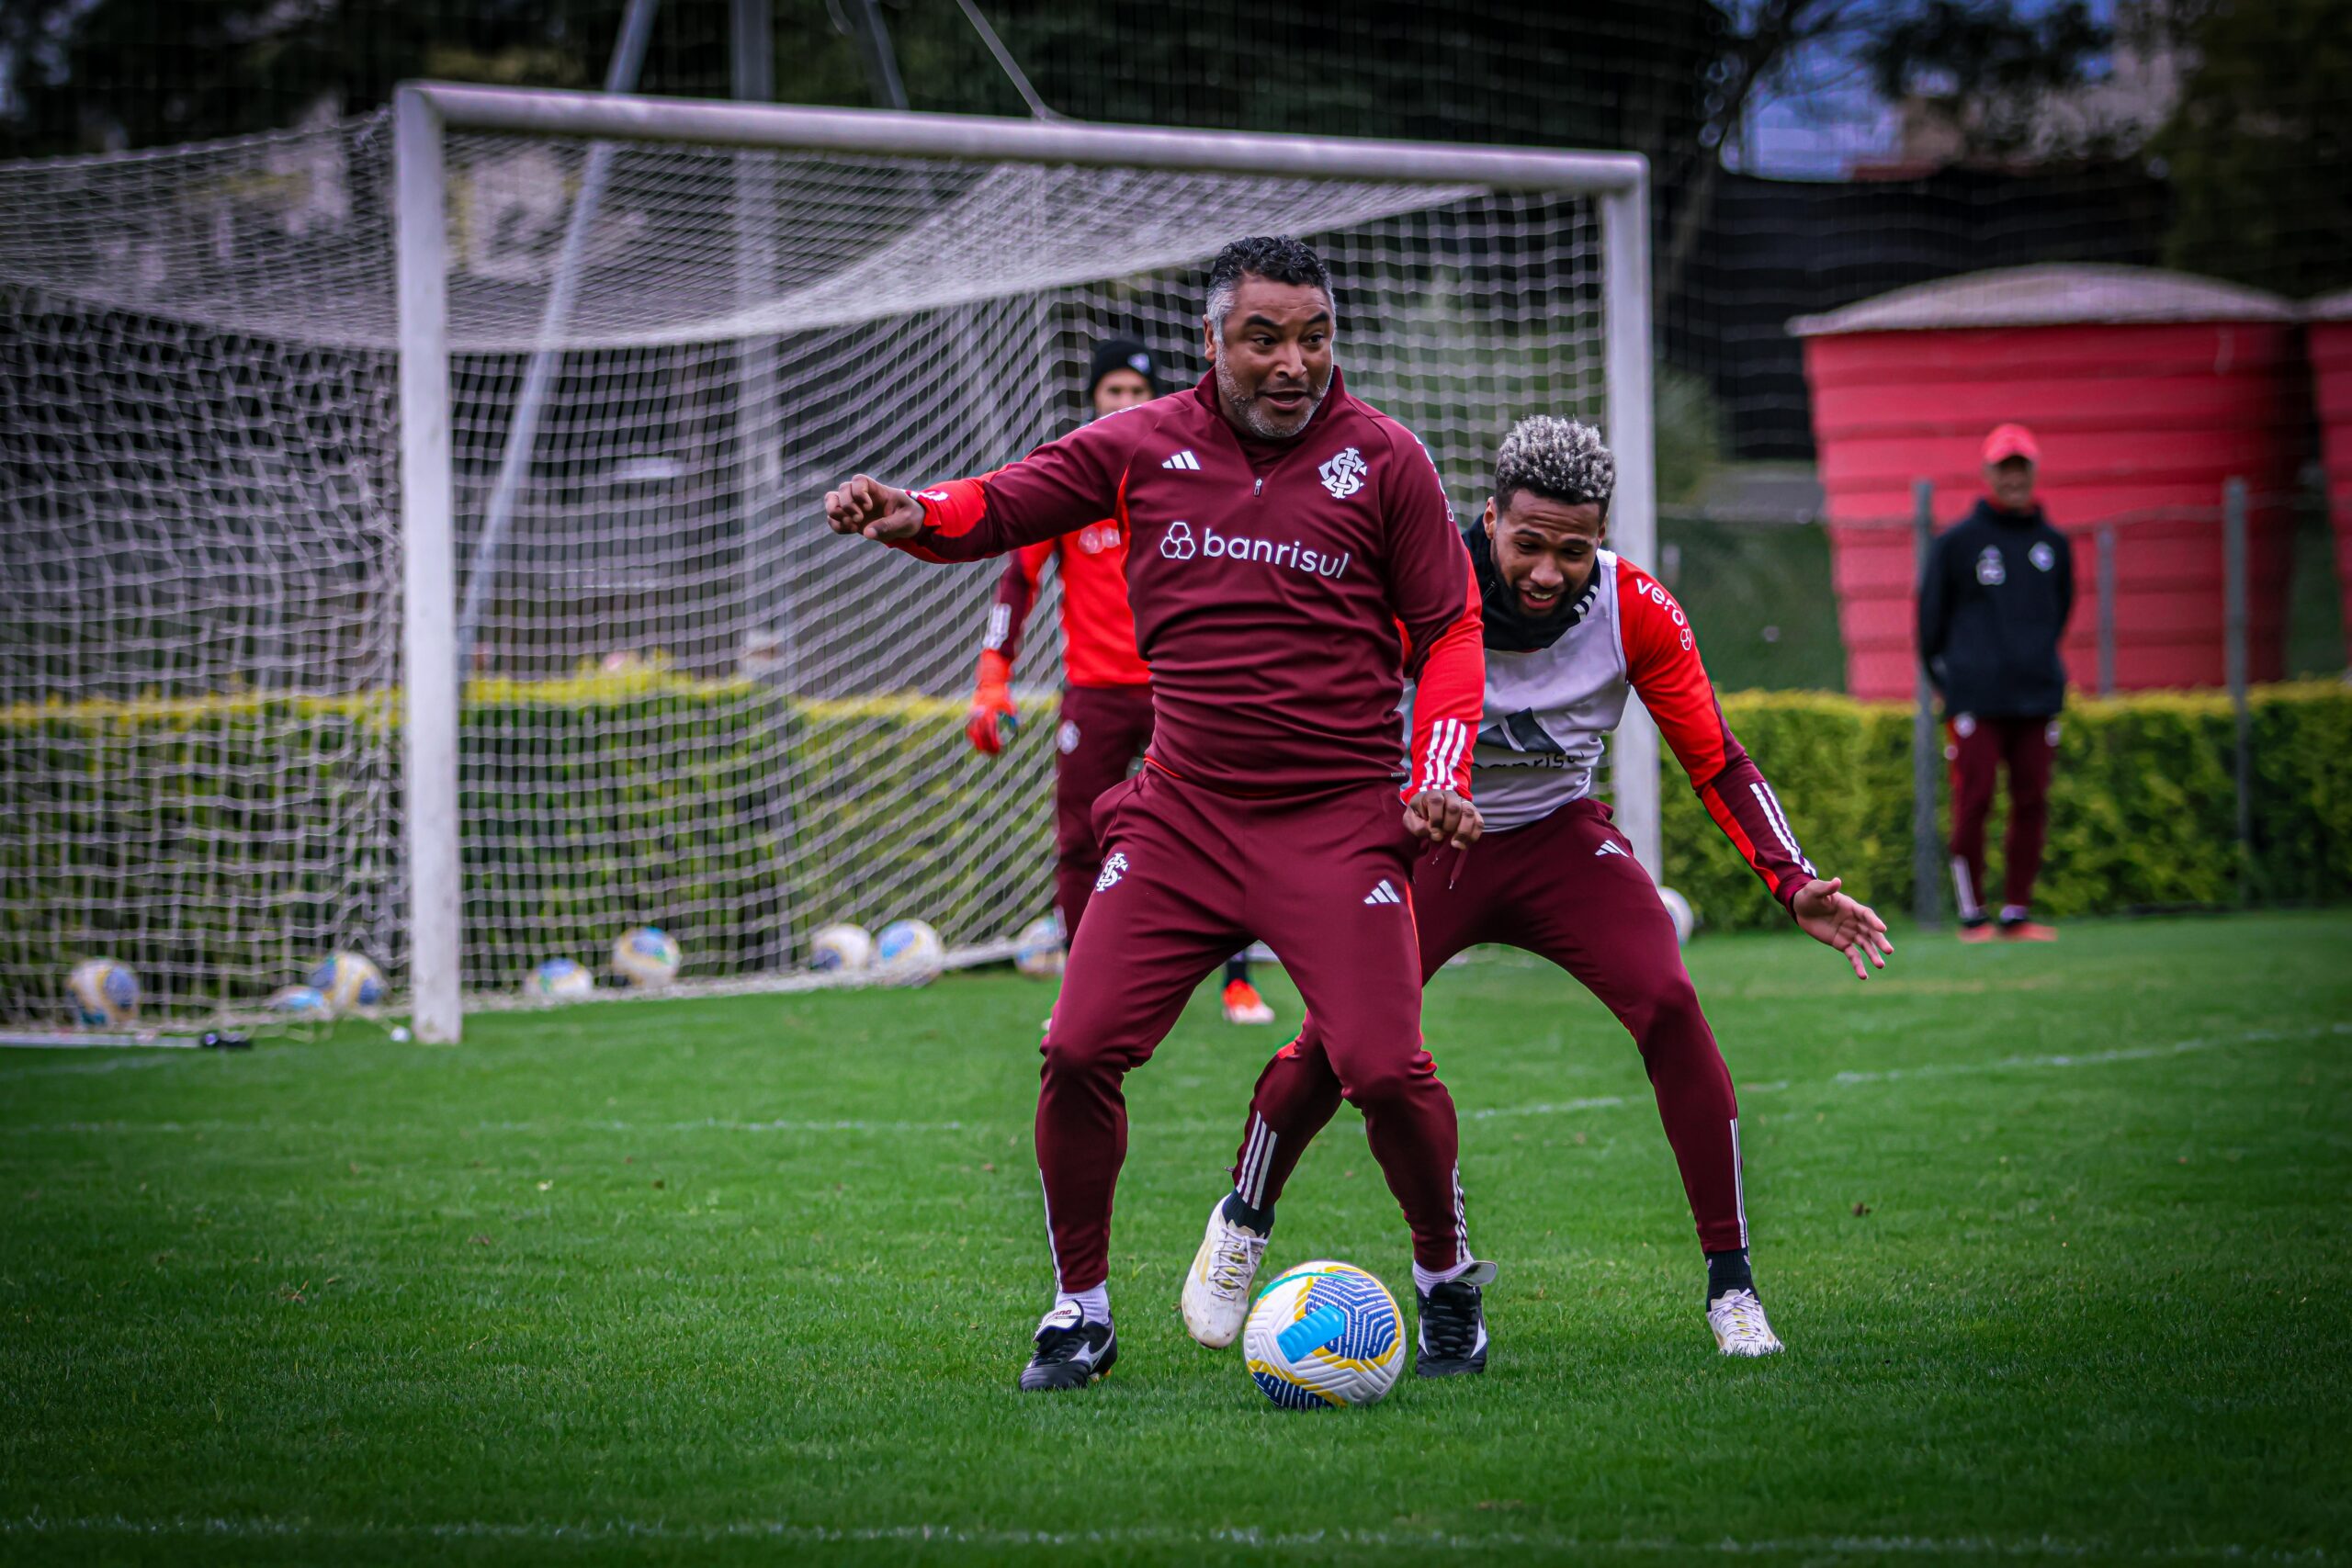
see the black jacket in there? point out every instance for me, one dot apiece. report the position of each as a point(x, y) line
point(1992, 604)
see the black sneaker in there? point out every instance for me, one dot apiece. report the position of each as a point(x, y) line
point(1072, 1352)
point(1453, 1327)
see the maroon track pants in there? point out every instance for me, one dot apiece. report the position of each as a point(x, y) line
point(1170, 903)
point(1976, 747)
point(1103, 730)
point(1566, 888)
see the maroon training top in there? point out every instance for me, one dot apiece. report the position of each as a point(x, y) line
point(1280, 592)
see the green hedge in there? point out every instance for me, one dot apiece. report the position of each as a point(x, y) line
point(167, 831)
point(2143, 803)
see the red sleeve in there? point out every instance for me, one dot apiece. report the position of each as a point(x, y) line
point(1435, 600)
point(1662, 664)
point(1062, 486)
point(1016, 595)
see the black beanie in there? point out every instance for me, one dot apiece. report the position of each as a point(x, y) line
point(1122, 354)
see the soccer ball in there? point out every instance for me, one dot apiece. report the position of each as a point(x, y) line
point(1679, 908)
point(908, 952)
point(104, 992)
point(347, 981)
point(560, 980)
point(645, 956)
point(1322, 1335)
point(1040, 949)
point(841, 949)
point(303, 1001)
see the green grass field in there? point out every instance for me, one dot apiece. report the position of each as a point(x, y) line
point(2058, 1239)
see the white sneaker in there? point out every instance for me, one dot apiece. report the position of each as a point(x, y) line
point(1737, 1318)
point(1215, 1300)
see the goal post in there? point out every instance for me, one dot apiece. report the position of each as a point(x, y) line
point(413, 543)
point(427, 112)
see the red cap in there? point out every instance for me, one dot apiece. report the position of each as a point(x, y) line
point(2011, 441)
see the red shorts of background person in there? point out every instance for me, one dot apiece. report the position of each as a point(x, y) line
point(1102, 732)
point(1978, 746)
point(1327, 885)
point(1566, 887)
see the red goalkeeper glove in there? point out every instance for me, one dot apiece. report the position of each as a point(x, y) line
point(991, 719)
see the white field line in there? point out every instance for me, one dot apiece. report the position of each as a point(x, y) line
point(1483, 1113)
point(38, 1526)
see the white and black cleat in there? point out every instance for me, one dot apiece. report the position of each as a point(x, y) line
point(1454, 1325)
point(1739, 1324)
point(1216, 1298)
point(1072, 1352)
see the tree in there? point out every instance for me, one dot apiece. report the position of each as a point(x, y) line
point(2259, 149)
point(1988, 67)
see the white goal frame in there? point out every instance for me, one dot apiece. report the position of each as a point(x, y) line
point(425, 112)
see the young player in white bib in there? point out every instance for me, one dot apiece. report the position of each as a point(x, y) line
point(1571, 630)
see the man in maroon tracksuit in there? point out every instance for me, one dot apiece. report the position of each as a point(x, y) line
point(1291, 560)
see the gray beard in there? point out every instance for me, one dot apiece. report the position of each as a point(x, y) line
point(1253, 417)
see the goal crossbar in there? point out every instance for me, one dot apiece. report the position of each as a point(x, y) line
point(425, 112)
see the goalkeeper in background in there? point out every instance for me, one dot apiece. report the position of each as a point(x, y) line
point(1106, 690)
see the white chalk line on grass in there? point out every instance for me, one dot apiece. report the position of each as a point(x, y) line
point(1482, 1114)
point(783, 1532)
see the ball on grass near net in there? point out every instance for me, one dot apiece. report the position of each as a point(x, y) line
point(1039, 951)
point(1679, 908)
point(299, 1001)
point(561, 979)
point(840, 949)
point(908, 952)
point(646, 956)
point(104, 992)
point(349, 981)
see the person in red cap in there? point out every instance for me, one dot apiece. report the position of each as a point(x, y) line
point(1106, 690)
point(1994, 601)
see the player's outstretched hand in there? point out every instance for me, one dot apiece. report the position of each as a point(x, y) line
point(1443, 818)
point(879, 511)
point(1832, 919)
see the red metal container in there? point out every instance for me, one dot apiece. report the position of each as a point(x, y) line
point(2331, 352)
point(2147, 391)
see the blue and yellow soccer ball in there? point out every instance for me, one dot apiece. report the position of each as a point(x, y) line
point(1040, 949)
point(646, 956)
point(908, 952)
point(1325, 1333)
point(299, 1001)
point(561, 979)
point(104, 993)
point(840, 949)
point(348, 980)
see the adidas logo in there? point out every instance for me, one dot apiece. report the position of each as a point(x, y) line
point(1383, 894)
point(1609, 847)
point(1183, 459)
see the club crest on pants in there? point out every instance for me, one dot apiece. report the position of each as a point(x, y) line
point(1113, 869)
point(1067, 738)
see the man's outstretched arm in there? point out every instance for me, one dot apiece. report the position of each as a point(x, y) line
point(1662, 665)
point(1063, 485)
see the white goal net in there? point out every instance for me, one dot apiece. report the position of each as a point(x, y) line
point(685, 702)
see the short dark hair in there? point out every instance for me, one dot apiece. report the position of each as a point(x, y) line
point(1277, 258)
point(1559, 459)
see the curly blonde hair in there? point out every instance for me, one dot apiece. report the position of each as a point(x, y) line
point(1560, 459)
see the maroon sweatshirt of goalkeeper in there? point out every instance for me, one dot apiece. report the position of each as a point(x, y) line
point(1281, 592)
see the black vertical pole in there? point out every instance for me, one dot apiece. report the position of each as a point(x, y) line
point(2106, 609)
point(2235, 592)
point(1927, 848)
